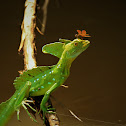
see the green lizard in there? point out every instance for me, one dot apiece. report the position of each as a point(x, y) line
point(43, 80)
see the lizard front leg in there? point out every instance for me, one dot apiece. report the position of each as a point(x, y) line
point(43, 106)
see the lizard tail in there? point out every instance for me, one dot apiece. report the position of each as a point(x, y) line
point(6, 111)
point(8, 108)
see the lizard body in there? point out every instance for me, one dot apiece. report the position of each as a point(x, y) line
point(44, 80)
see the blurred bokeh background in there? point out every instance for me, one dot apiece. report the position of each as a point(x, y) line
point(97, 84)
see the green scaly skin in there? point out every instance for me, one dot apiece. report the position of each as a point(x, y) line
point(47, 79)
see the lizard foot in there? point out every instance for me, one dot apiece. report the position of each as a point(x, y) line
point(47, 110)
point(25, 103)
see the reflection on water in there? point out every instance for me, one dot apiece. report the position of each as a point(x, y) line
point(84, 114)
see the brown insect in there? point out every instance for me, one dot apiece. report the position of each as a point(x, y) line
point(81, 34)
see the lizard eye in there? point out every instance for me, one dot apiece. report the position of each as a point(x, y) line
point(75, 43)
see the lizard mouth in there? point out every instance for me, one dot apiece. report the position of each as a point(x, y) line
point(85, 43)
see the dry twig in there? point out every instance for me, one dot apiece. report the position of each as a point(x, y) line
point(44, 15)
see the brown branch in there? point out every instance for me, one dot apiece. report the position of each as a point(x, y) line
point(28, 45)
point(28, 34)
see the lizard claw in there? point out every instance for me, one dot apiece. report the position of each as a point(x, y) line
point(51, 109)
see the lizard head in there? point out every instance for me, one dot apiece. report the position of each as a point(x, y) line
point(70, 49)
point(75, 48)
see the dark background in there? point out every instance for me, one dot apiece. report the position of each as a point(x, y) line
point(97, 84)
